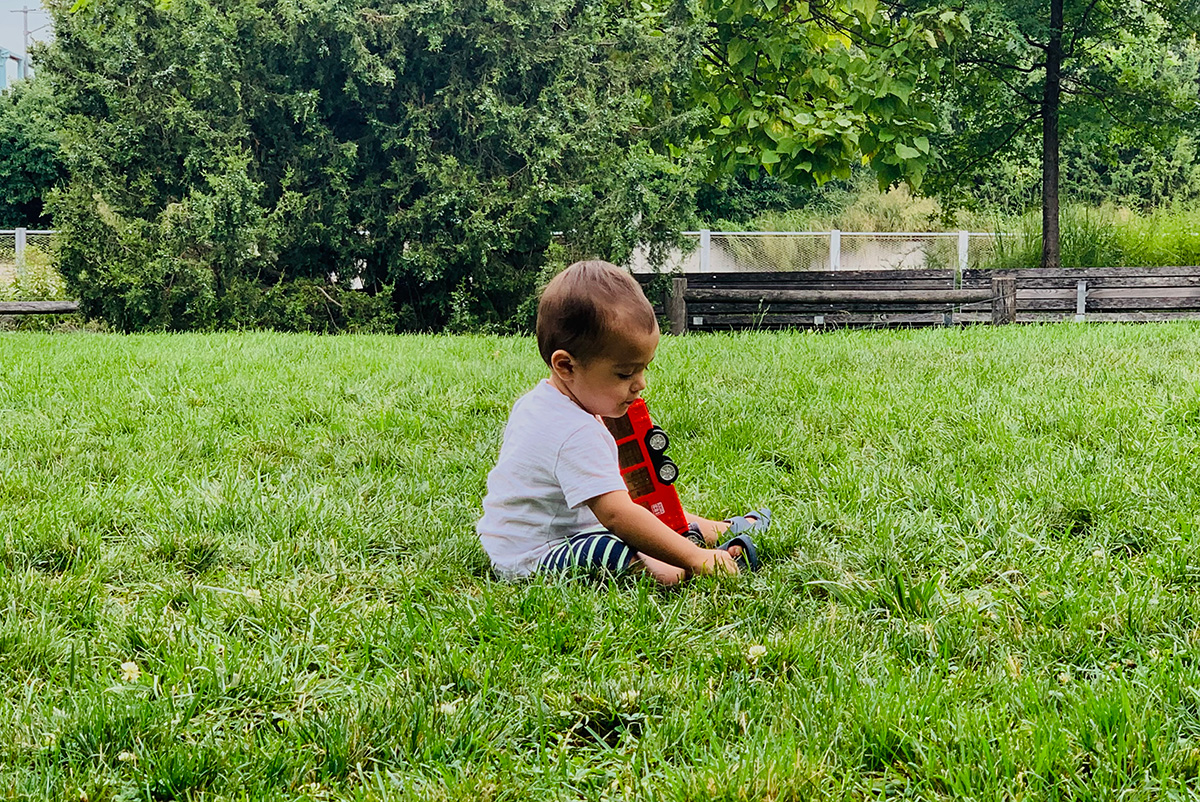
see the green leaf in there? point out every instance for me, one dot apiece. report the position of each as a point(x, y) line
point(739, 50)
point(905, 152)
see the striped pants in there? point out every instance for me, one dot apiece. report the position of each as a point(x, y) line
point(597, 551)
point(592, 551)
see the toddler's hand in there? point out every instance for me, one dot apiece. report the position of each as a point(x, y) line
point(716, 561)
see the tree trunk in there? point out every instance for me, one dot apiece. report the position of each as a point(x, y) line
point(1051, 96)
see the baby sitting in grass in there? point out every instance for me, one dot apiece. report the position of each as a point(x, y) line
point(556, 500)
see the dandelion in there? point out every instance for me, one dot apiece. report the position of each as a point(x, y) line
point(1098, 554)
point(755, 653)
point(449, 708)
point(130, 671)
point(253, 595)
point(127, 757)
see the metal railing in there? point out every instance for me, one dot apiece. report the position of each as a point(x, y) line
point(27, 258)
point(773, 251)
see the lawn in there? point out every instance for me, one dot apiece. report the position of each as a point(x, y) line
point(243, 566)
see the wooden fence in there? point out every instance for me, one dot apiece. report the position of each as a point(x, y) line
point(900, 298)
point(38, 307)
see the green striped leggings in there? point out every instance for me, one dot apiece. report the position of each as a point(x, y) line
point(592, 551)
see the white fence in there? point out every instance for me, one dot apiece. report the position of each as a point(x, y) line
point(21, 246)
point(770, 251)
point(713, 252)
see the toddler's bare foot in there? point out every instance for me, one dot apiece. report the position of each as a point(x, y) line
point(713, 530)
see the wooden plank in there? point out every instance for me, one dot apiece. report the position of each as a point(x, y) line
point(1131, 304)
point(1107, 304)
point(1088, 273)
point(778, 308)
point(1103, 282)
point(1047, 304)
point(824, 275)
point(808, 321)
point(38, 307)
point(1144, 292)
point(1141, 317)
point(949, 296)
point(757, 280)
point(676, 306)
point(1111, 292)
point(1004, 300)
point(1108, 317)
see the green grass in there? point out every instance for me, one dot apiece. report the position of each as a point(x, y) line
point(1103, 237)
point(983, 578)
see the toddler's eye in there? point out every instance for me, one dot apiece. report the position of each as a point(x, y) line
point(624, 376)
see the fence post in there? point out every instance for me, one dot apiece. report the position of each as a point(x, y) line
point(20, 251)
point(676, 306)
point(964, 242)
point(705, 249)
point(835, 249)
point(1004, 300)
point(1080, 301)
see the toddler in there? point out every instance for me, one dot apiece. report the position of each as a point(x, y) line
point(556, 500)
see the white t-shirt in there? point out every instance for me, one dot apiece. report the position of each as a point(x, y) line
point(555, 456)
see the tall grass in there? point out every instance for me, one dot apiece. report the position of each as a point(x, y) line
point(868, 210)
point(243, 567)
point(1103, 237)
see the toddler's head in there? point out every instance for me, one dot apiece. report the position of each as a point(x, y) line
point(590, 307)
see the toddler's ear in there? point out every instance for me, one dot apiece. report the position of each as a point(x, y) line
point(562, 363)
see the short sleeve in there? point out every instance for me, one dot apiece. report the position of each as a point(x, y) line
point(587, 465)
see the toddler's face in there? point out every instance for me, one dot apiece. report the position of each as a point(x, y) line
point(609, 383)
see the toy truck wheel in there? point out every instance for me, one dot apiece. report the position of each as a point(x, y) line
point(657, 440)
point(668, 472)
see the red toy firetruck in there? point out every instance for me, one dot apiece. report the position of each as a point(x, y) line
point(647, 470)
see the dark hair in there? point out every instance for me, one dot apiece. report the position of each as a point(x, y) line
point(580, 306)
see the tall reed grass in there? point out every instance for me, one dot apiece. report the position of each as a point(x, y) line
point(1103, 237)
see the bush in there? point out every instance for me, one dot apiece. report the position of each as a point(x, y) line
point(227, 159)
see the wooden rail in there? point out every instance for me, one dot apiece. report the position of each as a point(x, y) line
point(890, 298)
point(38, 307)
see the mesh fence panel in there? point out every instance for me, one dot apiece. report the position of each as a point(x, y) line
point(911, 251)
point(774, 251)
point(981, 250)
point(771, 252)
point(41, 241)
point(34, 276)
point(8, 259)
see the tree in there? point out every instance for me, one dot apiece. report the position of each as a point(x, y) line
point(221, 151)
point(1100, 74)
point(806, 90)
point(30, 164)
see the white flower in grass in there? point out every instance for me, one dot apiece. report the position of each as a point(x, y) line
point(130, 671)
point(449, 708)
point(630, 697)
point(253, 595)
point(755, 653)
point(127, 757)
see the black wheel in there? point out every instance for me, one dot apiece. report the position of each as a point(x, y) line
point(668, 472)
point(657, 440)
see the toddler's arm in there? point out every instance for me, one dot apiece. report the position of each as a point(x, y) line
point(639, 527)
